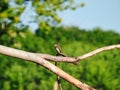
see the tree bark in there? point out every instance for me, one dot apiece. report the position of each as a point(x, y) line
point(41, 59)
point(23, 55)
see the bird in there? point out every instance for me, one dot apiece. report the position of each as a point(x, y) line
point(59, 53)
point(58, 50)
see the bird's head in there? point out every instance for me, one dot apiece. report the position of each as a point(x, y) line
point(56, 45)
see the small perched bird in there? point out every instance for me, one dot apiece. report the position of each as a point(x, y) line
point(59, 53)
point(58, 49)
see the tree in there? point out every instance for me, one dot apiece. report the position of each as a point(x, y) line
point(45, 13)
point(41, 59)
point(91, 71)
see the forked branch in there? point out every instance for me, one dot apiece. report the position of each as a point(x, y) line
point(23, 55)
point(82, 57)
point(41, 59)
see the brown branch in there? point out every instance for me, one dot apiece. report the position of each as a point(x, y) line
point(92, 53)
point(56, 58)
point(82, 57)
point(41, 59)
point(37, 59)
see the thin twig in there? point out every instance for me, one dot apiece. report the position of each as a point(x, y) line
point(92, 53)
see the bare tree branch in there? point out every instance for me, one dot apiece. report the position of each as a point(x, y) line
point(37, 59)
point(82, 57)
point(42, 60)
point(57, 58)
point(92, 53)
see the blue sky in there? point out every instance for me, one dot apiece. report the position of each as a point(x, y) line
point(96, 13)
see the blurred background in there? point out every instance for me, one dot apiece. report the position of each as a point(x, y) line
point(79, 26)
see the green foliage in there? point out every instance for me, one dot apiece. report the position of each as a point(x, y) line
point(101, 71)
point(45, 15)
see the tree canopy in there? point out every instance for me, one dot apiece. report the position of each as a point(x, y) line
point(97, 71)
point(43, 13)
